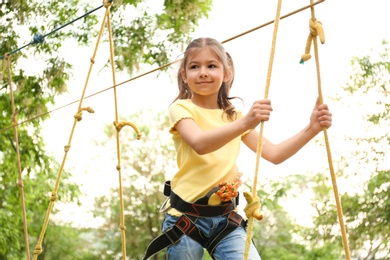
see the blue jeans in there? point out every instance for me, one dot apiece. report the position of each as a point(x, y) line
point(230, 248)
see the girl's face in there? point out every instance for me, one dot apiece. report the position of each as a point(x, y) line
point(204, 73)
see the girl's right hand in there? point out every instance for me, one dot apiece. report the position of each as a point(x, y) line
point(260, 111)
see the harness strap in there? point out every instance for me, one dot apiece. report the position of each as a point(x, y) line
point(234, 220)
point(183, 226)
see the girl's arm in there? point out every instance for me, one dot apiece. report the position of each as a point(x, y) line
point(277, 153)
point(203, 142)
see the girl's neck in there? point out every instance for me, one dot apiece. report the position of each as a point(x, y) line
point(208, 103)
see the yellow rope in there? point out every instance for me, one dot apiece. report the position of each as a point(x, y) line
point(14, 123)
point(77, 118)
point(317, 30)
point(254, 207)
point(118, 127)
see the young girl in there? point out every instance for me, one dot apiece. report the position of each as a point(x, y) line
point(207, 131)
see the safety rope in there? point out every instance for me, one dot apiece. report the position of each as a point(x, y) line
point(252, 209)
point(7, 64)
point(161, 67)
point(317, 30)
point(38, 38)
point(77, 118)
point(118, 127)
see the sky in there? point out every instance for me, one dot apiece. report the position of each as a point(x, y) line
point(352, 28)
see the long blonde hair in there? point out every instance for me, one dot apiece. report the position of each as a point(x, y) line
point(224, 101)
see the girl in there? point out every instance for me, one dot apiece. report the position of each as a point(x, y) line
point(207, 131)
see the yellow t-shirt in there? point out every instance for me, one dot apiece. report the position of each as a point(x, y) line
point(198, 174)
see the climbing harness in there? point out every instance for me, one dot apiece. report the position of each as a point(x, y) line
point(185, 225)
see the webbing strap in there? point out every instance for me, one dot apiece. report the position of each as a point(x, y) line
point(234, 220)
point(183, 226)
point(186, 226)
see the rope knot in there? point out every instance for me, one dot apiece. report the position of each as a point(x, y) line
point(252, 207)
point(122, 227)
point(66, 148)
point(316, 29)
point(53, 196)
point(79, 115)
point(38, 38)
point(38, 250)
point(14, 119)
point(118, 167)
point(20, 183)
point(108, 3)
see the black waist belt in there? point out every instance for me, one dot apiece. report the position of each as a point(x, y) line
point(200, 208)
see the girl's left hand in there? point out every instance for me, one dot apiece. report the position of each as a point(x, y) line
point(320, 117)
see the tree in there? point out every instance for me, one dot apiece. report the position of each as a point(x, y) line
point(148, 38)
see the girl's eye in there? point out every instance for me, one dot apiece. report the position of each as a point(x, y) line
point(194, 67)
point(212, 66)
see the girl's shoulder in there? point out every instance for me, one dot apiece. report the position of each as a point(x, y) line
point(183, 102)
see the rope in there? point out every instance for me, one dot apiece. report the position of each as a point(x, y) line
point(118, 127)
point(254, 212)
point(38, 38)
point(77, 118)
point(20, 181)
point(159, 68)
point(317, 30)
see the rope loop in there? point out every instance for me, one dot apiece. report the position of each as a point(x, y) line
point(120, 125)
point(252, 207)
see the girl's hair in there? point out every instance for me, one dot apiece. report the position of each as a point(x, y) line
point(224, 101)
